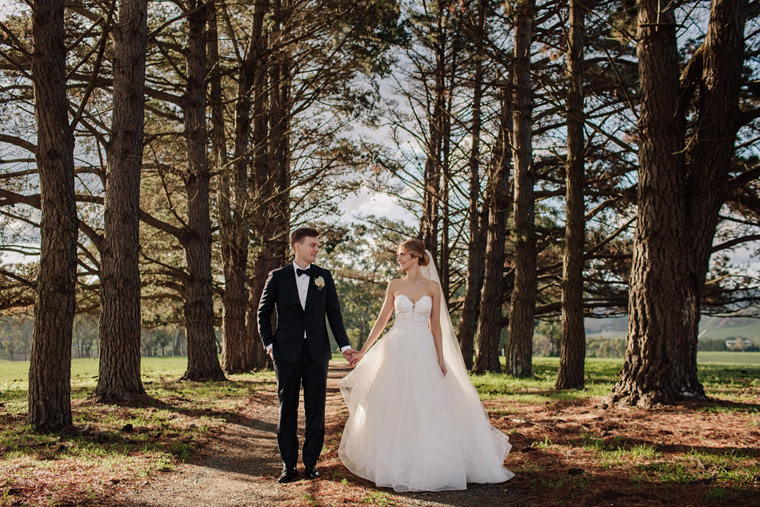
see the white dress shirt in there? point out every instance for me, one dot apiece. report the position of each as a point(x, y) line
point(302, 283)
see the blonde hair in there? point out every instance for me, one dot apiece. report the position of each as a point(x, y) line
point(416, 248)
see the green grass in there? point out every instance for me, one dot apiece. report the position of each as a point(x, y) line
point(601, 375)
point(183, 414)
point(165, 428)
point(378, 498)
point(728, 381)
point(749, 358)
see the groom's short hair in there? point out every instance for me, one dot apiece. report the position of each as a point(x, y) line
point(299, 234)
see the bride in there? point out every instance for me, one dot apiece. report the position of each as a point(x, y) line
point(415, 420)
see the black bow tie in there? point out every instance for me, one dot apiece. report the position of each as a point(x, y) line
point(306, 271)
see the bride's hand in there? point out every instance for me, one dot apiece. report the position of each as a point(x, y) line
point(358, 355)
point(442, 365)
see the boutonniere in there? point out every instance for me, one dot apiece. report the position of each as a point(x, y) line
point(319, 282)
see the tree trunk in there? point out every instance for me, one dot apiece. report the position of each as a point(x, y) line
point(271, 177)
point(235, 353)
point(239, 350)
point(445, 254)
point(498, 200)
point(50, 368)
point(120, 323)
point(573, 351)
point(521, 322)
point(202, 358)
point(679, 199)
point(432, 185)
point(477, 238)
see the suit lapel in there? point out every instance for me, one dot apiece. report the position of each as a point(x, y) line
point(290, 281)
point(309, 293)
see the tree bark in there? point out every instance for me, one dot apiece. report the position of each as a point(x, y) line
point(445, 253)
point(202, 358)
point(271, 175)
point(498, 200)
point(521, 322)
point(120, 323)
point(680, 193)
point(235, 353)
point(432, 184)
point(477, 237)
point(573, 351)
point(239, 349)
point(50, 368)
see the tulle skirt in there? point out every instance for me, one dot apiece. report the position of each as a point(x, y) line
point(412, 429)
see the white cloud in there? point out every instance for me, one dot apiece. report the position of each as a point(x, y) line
point(367, 202)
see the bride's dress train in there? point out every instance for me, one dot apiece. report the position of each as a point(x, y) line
point(411, 428)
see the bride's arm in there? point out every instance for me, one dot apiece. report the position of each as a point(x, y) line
point(382, 318)
point(435, 327)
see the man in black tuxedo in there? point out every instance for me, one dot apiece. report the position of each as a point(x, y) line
point(302, 294)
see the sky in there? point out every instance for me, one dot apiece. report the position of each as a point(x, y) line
point(367, 202)
point(6, 7)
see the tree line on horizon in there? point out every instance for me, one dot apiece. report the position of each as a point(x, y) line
point(564, 159)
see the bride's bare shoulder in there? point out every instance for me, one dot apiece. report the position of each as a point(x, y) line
point(433, 286)
point(393, 284)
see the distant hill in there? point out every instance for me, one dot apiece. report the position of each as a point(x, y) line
point(714, 327)
point(710, 327)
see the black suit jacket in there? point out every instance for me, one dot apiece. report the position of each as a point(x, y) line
point(287, 339)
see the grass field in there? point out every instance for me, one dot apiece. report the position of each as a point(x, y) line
point(728, 357)
point(716, 369)
point(708, 450)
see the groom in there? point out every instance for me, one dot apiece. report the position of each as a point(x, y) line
point(303, 294)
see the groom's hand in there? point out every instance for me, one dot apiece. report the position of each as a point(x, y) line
point(358, 355)
point(348, 354)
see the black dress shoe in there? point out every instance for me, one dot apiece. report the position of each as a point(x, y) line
point(311, 473)
point(289, 474)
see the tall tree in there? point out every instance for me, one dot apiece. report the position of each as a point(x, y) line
point(54, 307)
point(498, 200)
point(521, 322)
point(477, 238)
point(232, 229)
point(270, 221)
point(437, 120)
point(573, 352)
point(682, 185)
point(238, 349)
point(202, 359)
point(119, 328)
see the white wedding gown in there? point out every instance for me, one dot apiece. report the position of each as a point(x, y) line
point(411, 428)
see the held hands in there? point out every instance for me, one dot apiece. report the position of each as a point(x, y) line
point(353, 356)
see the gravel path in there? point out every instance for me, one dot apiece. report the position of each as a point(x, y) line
point(239, 467)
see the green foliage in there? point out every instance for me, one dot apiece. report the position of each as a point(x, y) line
point(605, 347)
point(363, 260)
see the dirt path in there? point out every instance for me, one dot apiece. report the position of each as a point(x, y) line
point(239, 467)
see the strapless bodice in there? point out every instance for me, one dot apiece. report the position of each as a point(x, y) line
point(412, 313)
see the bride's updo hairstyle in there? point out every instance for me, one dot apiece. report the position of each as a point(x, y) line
point(416, 248)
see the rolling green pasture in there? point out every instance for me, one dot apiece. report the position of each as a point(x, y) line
point(724, 375)
point(749, 358)
point(717, 370)
point(747, 331)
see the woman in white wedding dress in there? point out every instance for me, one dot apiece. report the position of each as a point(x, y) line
point(415, 420)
